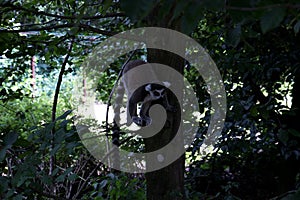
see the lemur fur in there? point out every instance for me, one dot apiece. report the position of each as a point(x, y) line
point(145, 95)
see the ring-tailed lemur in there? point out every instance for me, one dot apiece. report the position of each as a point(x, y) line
point(146, 95)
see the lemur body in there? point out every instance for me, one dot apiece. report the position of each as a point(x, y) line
point(146, 94)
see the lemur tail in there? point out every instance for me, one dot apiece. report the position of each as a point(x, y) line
point(118, 102)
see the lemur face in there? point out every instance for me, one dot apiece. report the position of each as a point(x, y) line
point(157, 91)
point(156, 94)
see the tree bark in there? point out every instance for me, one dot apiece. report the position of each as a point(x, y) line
point(168, 182)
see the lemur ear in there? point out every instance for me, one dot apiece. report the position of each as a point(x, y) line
point(148, 87)
point(166, 84)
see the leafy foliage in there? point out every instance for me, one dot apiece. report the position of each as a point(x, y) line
point(257, 156)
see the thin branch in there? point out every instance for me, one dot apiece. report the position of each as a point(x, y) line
point(70, 25)
point(281, 196)
point(96, 30)
point(44, 28)
point(55, 100)
point(290, 6)
point(64, 169)
point(60, 77)
point(86, 180)
point(34, 25)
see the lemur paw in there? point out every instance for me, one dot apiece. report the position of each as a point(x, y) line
point(141, 121)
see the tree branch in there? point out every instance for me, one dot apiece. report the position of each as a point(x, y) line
point(62, 16)
point(60, 77)
point(290, 6)
point(46, 28)
point(55, 100)
point(70, 25)
point(96, 30)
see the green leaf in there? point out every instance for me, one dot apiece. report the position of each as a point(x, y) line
point(103, 183)
point(234, 36)
point(55, 149)
point(106, 5)
point(64, 123)
point(21, 180)
point(59, 136)
point(294, 132)
point(3, 153)
point(22, 142)
point(283, 136)
point(297, 27)
point(254, 111)
point(9, 194)
point(73, 31)
point(55, 171)
point(60, 178)
point(192, 14)
point(265, 114)
point(72, 177)
point(10, 138)
point(179, 8)
point(272, 19)
point(63, 116)
point(18, 197)
point(111, 175)
point(137, 10)
point(3, 185)
point(46, 179)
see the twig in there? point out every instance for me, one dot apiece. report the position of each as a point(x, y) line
point(281, 196)
point(262, 7)
point(69, 25)
point(43, 28)
point(55, 100)
point(96, 30)
point(86, 180)
point(59, 81)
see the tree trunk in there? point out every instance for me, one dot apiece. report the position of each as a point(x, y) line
point(168, 182)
